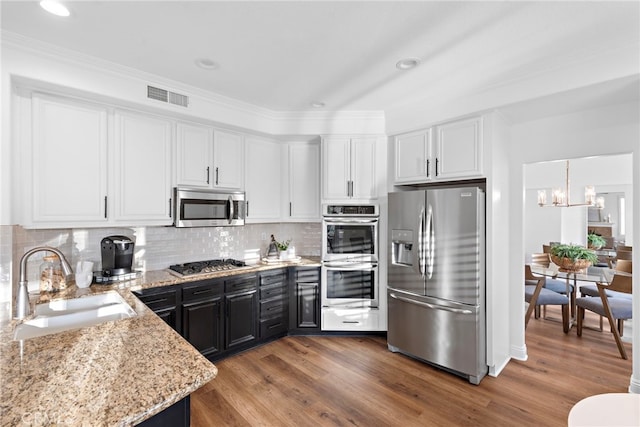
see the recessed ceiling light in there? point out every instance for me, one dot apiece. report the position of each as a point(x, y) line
point(317, 104)
point(206, 63)
point(407, 63)
point(54, 7)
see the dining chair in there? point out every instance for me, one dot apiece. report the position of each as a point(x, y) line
point(626, 255)
point(536, 294)
point(615, 309)
point(591, 290)
point(556, 285)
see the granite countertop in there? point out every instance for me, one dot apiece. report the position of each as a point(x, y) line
point(115, 373)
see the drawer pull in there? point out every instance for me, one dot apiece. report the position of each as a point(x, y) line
point(156, 301)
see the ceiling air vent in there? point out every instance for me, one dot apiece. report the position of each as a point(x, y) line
point(166, 96)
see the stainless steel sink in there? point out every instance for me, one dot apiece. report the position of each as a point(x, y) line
point(63, 315)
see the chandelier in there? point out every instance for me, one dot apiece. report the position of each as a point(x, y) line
point(560, 196)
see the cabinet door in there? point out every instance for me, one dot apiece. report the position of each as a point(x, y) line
point(241, 320)
point(262, 181)
point(304, 182)
point(459, 149)
point(228, 161)
point(142, 169)
point(69, 161)
point(308, 305)
point(363, 168)
point(336, 174)
point(412, 157)
point(194, 155)
point(202, 325)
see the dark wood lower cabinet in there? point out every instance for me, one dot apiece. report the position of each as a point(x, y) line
point(226, 315)
point(202, 323)
point(305, 297)
point(176, 415)
point(241, 319)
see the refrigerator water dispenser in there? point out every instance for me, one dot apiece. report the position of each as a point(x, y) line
point(402, 247)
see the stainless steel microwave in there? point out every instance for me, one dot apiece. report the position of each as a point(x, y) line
point(194, 207)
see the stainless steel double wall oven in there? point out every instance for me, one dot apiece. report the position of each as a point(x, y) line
point(350, 256)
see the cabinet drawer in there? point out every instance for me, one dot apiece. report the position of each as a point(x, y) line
point(158, 300)
point(272, 327)
point(240, 284)
point(273, 291)
point(308, 274)
point(272, 307)
point(201, 290)
point(279, 276)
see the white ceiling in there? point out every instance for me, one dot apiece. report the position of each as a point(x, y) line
point(284, 55)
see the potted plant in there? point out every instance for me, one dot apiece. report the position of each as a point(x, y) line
point(572, 257)
point(595, 241)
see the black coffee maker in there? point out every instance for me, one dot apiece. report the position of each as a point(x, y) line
point(117, 255)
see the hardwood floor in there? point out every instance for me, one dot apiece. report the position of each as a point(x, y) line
point(320, 380)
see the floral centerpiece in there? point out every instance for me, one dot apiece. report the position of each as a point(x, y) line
point(572, 258)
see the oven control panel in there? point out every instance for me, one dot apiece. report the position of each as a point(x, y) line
point(350, 210)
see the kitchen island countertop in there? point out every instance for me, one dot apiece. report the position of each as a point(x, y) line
point(115, 373)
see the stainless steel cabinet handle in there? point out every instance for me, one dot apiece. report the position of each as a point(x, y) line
point(427, 168)
point(436, 166)
point(247, 208)
point(207, 174)
point(105, 207)
point(433, 306)
point(169, 207)
point(289, 208)
point(216, 176)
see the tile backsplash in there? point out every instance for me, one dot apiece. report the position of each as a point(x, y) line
point(155, 247)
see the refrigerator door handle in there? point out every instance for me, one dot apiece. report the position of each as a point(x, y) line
point(430, 250)
point(432, 306)
point(421, 246)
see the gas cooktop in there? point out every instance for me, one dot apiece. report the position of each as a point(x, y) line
point(204, 267)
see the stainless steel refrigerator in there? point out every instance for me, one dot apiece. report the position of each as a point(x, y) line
point(436, 278)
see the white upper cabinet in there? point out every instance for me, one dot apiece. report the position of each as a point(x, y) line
point(263, 183)
point(413, 157)
point(304, 181)
point(455, 152)
point(228, 160)
point(142, 169)
point(349, 168)
point(194, 155)
point(459, 148)
point(69, 162)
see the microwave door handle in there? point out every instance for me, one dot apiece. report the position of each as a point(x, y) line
point(231, 210)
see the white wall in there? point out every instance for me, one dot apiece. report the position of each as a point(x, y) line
point(613, 129)
point(569, 225)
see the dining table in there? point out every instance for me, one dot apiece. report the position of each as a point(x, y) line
point(590, 274)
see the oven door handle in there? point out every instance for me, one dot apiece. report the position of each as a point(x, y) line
point(350, 221)
point(351, 266)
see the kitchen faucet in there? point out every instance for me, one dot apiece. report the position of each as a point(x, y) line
point(22, 299)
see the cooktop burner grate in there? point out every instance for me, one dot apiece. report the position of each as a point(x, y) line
point(209, 266)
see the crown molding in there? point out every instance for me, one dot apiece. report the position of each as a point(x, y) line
point(277, 120)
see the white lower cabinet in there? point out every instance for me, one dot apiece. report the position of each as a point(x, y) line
point(263, 180)
point(142, 169)
point(68, 179)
